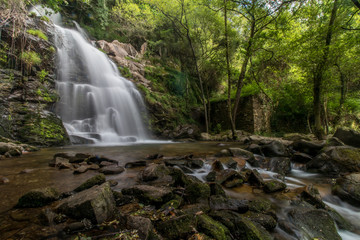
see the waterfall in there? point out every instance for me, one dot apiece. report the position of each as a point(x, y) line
point(97, 105)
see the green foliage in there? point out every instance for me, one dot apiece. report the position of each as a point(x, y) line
point(30, 58)
point(125, 72)
point(45, 18)
point(42, 75)
point(4, 48)
point(38, 33)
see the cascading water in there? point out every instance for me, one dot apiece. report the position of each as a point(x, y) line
point(96, 103)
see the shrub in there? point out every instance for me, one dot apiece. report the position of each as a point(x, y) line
point(37, 33)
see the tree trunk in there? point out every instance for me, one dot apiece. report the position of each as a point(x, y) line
point(240, 82)
point(200, 80)
point(318, 75)
point(232, 123)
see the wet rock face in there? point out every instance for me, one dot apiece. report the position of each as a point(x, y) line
point(27, 96)
point(348, 188)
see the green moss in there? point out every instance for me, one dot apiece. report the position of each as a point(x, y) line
point(45, 18)
point(350, 153)
point(125, 72)
point(96, 180)
point(212, 228)
point(38, 198)
point(30, 58)
point(38, 33)
point(197, 191)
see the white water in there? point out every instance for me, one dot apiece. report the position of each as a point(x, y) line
point(96, 104)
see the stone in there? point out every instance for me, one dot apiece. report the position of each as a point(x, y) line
point(82, 169)
point(4, 180)
point(112, 169)
point(149, 194)
point(38, 198)
point(274, 149)
point(211, 177)
point(176, 228)
point(240, 227)
point(281, 165)
point(274, 186)
point(217, 166)
point(216, 189)
point(308, 147)
point(212, 228)
point(349, 137)
point(267, 221)
point(301, 157)
point(227, 175)
point(312, 196)
point(239, 152)
point(196, 192)
point(314, 224)
point(154, 171)
point(10, 149)
point(255, 178)
point(218, 202)
point(141, 224)
point(96, 203)
point(255, 148)
point(63, 163)
point(348, 188)
point(261, 206)
point(95, 180)
point(336, 160)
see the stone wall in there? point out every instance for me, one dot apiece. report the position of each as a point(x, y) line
point(253, 115)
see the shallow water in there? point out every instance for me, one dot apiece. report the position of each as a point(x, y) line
point(39, 174)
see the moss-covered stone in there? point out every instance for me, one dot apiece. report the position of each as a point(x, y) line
point(176, 228)
point(38, 198)
point(96, 180)
point(212, 228)
point(197, 191)
point(274, 186)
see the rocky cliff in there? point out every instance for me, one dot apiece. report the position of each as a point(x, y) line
point(27, 83)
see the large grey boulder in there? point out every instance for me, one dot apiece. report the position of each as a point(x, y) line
point(96, 204)
point(335, 160)
point(38, 197)
point(348, 188)
point(349, 137)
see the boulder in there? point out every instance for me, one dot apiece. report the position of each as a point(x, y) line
point(141, 224)
point(348, 188)
point(10, 149)
point(314, 224)
point(255, 178)
point(255, 148)
point(229, 176)
point(312, 196)
point(197, 192)
point(281, 165)
point(96, 203)
point(349, 137)
point(62, 163)
point(308, 147)
point(154, 172)
point(267, 221)
point(274, 186)
point(274, 149)
point(217, 166)
point(38, 198)
point(260, 206)
point(335, 160)
point(216, 189)
point(218, 202)
point(135, 164)
point(112, 169)
point(212, 228)
point(240, 227)
point(334, 141)
point(176, 228)
point(96, 180)
point(149, 194)
point(241, 153)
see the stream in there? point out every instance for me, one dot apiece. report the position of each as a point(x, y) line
point(31, 171)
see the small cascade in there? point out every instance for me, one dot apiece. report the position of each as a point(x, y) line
point(96, 103)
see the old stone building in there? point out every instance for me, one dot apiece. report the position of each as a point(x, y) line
point(253, 114)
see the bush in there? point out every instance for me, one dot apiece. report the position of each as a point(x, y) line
point(30, 58)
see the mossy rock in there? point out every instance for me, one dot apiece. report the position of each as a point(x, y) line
point(38, 198)
point(212, 228)
point(197, 191)
point(274, 186)
point(96, 180)
point(176, 228)
point(260, 205)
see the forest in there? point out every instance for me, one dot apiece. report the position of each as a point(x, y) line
point(301, 56)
